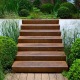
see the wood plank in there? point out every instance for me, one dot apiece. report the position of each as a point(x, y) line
point(60, 77)
point(30, 76)
point(8, 76)
point(23, 76)
point(45, 76)
point(16, 76)
point(37, 76)
point(52, 76)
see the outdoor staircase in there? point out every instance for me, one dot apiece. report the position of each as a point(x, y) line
point(40, 47)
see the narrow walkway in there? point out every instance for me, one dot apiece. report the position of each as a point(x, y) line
point(35, 76)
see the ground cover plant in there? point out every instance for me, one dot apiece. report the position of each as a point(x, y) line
point(74, 71)
point(24, 9)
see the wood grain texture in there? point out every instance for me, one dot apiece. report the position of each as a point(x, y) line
point(38, 76)
point(60, 77)
point(52, 76)
point(35, 76)
point(23, 76)
point(45, 76)
point(15, 76)
point(30, 76)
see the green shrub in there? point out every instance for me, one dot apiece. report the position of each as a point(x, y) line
point(8, 51)
point(47, 8)
point(64, 12)
point(35, 14)
point(25, 4)
point(23, 13)
point(10, 28)
point(70, 6)
point(11, 5)
point(1, 11)
point(1, 72)
point(37, 3)
point(57, 5)
point(75, 51)
point(74, 72)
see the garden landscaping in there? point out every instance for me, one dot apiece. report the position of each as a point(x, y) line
point(71, 46)
point(36, 9)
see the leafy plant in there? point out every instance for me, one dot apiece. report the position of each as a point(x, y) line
point(35, 14)
point(64, 12)
point(70, 6)
point(10, 28)
point(74, 71)
point(23, 13)
point(11, 5)
point(47, 8)
point(1, 11)
point(37, 3)
point(25, 4)
point(75, 51)
point(57, 5)
point(8, 51)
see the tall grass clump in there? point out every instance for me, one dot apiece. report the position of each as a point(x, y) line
point(10, 28)
point(69, 37)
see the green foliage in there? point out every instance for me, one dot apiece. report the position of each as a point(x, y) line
point(74, 72)
point(25, 4)
point(70, 6)
point(69, 37)
point(1, 11)
point(47, 8)
point(75, 51)
point(1, 72)
point(64, 12)
point(57, 5)
point(8, 51)
point(10, 28)
point(23, 13)
point(11, 5)
point(35, 14)
point(37, 3)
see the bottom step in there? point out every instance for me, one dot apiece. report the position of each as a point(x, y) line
point(39, 66)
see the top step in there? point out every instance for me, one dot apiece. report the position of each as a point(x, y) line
point(40, 21)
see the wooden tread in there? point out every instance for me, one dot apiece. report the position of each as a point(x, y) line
point(41, 56)
point(40, 33)
point(40, 26)
point(40, 39)
point(39, 66)
point(40, 47)
point(40, 21)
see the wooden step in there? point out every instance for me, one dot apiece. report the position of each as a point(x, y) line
point(39, 39)
point(40, 26)
point(40, 21)
point(40, 47)
point(40, 33)
point(41, 56)
point(39, 66)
